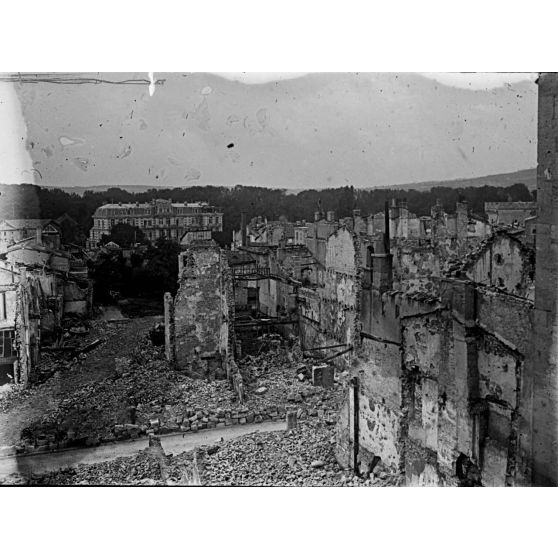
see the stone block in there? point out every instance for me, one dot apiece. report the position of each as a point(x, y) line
point(291, 419)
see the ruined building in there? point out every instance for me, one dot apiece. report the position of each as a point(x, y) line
point(432, 326)
point(20, 332)
point(509, 213)
point(40, 284)
point(46, 232)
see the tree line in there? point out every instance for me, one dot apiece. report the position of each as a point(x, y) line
point(33, 201)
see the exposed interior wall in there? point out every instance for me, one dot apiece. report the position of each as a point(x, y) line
point(77, 299)
point(329, 313)
point(505, 263)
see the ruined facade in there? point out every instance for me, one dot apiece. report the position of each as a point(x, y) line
point(435, 385)
point(328, 314)
point(20, 321)
point(39, 286)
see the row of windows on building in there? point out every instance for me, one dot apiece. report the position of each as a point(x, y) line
point(145, 223)
point(109, 212)
point(150, 234)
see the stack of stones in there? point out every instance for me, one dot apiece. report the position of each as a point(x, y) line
point(195, 419)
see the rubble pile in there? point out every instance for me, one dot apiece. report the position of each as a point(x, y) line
point(302, 457)
point(142, 469)
point(271, 385)
point(123, 388)
point(94, 412)
point(144, 395)
point(77, 338)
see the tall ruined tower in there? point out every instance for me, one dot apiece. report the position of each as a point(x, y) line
point(542, 366)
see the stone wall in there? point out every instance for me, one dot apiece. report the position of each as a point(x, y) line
point(202, 311)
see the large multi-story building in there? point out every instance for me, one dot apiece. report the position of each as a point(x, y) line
point(156, 219)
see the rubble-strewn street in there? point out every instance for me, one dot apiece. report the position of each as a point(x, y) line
point(301, 457)
point(124, 388)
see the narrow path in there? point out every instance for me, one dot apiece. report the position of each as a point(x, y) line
point(172, 443)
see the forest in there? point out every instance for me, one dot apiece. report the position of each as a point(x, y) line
point(29, 201)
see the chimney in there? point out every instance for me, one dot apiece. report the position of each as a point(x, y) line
point(317, 215)
point(356, 213)
point(386, 227)
point(39, 235)
point(331, 216)
point(243, 228)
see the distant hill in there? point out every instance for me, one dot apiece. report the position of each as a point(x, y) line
point(526, 176)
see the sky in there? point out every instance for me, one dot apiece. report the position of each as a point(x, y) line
point(466, 80)
point(277, 129)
